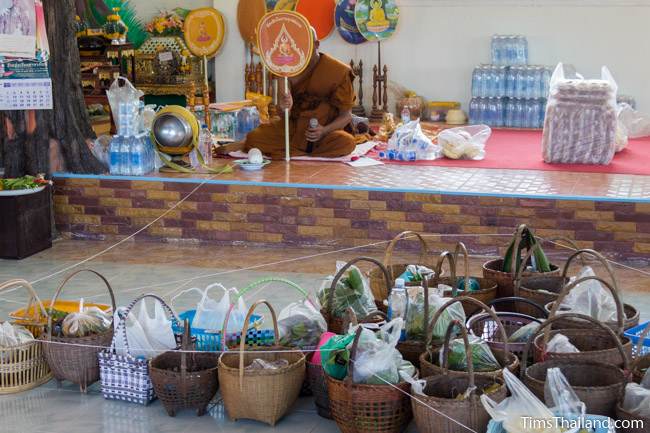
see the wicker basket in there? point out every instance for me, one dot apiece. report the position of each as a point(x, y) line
point(594, 344)
point(488, 288)
point(75, 359)
point(597, 384)
point(630, 314)
point(377, 280)
point(505, 280)
point(439, 411)
point(359, 408)
point(428, 366)
point(23, 367)
point(185, 379)
point(630, 419)
point(482, 325)
point(125, 377)
point(318, 385)
point(261, 395)
point(337, 324)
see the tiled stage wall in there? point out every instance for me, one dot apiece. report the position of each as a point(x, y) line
point(90, 208)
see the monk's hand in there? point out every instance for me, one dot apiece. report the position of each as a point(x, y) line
point(315, 134)
point(285, 102)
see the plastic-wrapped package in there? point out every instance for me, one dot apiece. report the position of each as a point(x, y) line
point(467, 142)
point(414, 273)
point(352, 290)
point(637, 400)
point(301, 325)
point(560, 344)
point(482, 357)
point(211, 314)
point(124, 101)
point(415, 323)
point(581, 120)
point(590, 298)
point(524, 333)
point(560, 397)
point(147, 336)
point(86, 321)
point(631, 124)
point(409, 143)
point(14, 335)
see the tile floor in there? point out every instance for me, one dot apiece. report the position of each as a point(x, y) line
point(133, 269)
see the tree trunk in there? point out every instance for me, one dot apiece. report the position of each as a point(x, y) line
point(33, 138)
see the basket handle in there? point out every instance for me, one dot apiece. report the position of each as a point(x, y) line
point(468, 350)
point(620, 314)
point(546, 326)
point(460, 247)
point(341, 272)
point(65, 281)
point(599, 257)
point(388, 256)
point(242, 344)
point(353, 354)
point(33, 297)
point(121, 327)
point(520, 272)
point(517, 299)
point(446, 255)
point(477, 303)
point(257, 283)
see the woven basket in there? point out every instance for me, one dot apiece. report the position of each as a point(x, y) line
point(377, 280)
point(318, 385)
point(359, 408)
point(488, 288)
point(428, 360)
point(23, 367)
point(505, 280)
point(125, 377)
point(261, 395)
point(436, 411)
point(75, 358)
point(594, 344)
point(629, 419)
point(337, 324)
point(185, 379)
point(483, 326)
point(597, 384)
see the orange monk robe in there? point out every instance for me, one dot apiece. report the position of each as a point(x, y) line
point(325, 93)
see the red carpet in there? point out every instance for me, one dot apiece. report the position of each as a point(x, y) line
point(522, 150)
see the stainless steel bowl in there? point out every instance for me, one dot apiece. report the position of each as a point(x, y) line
point(172, 130)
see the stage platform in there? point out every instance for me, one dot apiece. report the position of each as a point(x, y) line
point(336, 206)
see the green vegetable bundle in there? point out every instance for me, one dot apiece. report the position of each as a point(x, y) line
point(482, 357)
point(416, 327)
point(352, 290)
point(527, 242)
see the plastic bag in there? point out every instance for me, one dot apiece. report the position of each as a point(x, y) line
point(147, 336)
point(560, 344)
point(210, 314)
point(260, 364)
point(414, 273)
point(352, 290)
point(637, 400)
point(634, 123)
point(581, 124)
point(301, 325)
point(124, 101)
point(335, 355)
point(409, 143)
point(86, 321)
point(482, 357)
point(14, 335)
point(521, 409)
point(467, 142)
point(415, 323)
point(524, 333)
point(590, 298)
point(560, 396)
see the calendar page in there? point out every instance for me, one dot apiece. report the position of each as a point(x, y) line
point(26, 94)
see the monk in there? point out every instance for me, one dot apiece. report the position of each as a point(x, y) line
point(324, 91)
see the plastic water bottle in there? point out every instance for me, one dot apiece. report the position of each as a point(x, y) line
point(205, 144)
point(473, 111)
point(406, 115)
point(114, 159)
point(476, 82)
point(136, 156)
point(398, 302)
point(124, 153)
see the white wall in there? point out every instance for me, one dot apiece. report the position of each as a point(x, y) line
point(438, 42)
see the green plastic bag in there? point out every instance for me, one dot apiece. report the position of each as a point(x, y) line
point(335, 356)
point(482, 357)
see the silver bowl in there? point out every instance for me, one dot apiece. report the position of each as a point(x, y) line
point(171, 130)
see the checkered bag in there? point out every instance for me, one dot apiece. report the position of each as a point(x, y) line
point(125, 377)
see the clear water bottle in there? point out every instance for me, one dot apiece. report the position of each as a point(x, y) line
point(546, 82)
point(114, 156)
point(520, 82)
point(477, 81)
point(205, 144)
point(406, 115)
point(482, 110)
point(125, 152)
point(498, 120)
point(397, 301)
point(509, 82)
point(496, 51)
point(473, 111)
point(519, 113)
point(137, 156)
point(531, 83)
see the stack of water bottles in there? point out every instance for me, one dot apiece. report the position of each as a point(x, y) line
point(131, 152)
point(509, 92)
point(409, 143)
point(248, 119)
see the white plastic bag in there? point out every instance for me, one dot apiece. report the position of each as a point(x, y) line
point(377, 361)
point(124, 100)
point(590, 298)
point(301, 325)
point(637, 400)
point(560, 396)
point(409, 143)
point(634, 123)
point(520, 410)
point(210, 314)
point(467, 142)
point(14, 335)
point(146, 336)
point(560, 344)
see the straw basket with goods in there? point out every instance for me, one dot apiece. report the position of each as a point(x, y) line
point(380, 290)
point(482, 325)
point(75, 358)
point(597, 384)
point(639, 365)
point(185, 379)
point(429, 359)
point(593, 344)
point(504, 270)
point(455, 400)
point(481, 289)
point(412, 348)
point(23, 367)
point(361, 408)
point(630, 313)
point(336, 324)
point(261, 394)
point(125, 377)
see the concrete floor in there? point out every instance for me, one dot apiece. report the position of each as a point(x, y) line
point(164, 269)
